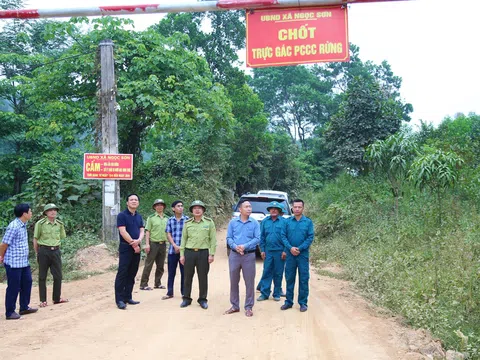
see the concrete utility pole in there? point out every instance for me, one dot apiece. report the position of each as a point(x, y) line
point(111, 188)
point(174, 6)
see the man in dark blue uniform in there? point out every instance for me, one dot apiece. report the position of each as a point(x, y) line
point(297, 237)
point(272, 251)
point(131, 231)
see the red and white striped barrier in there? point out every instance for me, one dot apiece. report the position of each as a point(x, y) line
point(171, 7)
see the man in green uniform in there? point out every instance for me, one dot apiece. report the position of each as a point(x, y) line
point(197, 250)
point(156, 246)
point(47, 235)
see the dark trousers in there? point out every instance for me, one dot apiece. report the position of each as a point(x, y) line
point(300, 263)
point(196, 260)
point(156, 255)
point(246, 264)
point(49, 259)
point(173, 261)
point(19, 280)
point(273, 269)
point(128, 263)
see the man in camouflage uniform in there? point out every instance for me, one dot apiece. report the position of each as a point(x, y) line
point(47, 236)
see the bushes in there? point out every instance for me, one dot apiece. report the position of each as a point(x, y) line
point(431, 277)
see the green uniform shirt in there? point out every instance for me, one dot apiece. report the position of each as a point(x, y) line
point(49, 234)
point(156, 226)
point(199, 235)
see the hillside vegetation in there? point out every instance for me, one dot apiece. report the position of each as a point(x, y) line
point(398, 207)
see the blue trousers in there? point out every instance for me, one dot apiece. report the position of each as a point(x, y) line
point(300, 263)
point(128, 263)
point(19, 281)
point(273, 268)
point(173, 261)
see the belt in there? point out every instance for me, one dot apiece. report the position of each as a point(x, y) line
point(50, 247)
point(245, 252)
point(196, 249)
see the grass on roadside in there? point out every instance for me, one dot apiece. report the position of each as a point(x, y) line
point(426, 273)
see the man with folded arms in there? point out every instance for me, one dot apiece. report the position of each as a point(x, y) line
point(14, 255)
point(243, 236)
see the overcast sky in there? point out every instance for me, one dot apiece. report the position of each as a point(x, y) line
point(432, 44)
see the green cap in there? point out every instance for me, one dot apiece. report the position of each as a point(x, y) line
point(159, 201)
point(197, 203)
point(275, 205)
point(49, 207)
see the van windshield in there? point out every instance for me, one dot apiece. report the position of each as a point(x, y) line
point(259, 205)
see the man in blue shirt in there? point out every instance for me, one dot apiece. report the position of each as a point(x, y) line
point(243, 236)
point(273, 252)
point(297, 237)
point(174, 233)
point(14, 254)
point(131, 231)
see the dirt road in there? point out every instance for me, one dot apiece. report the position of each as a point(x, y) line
point(338, 325)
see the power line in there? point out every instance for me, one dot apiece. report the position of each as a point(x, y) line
point(34, 67)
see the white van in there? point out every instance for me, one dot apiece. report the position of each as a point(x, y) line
point(281, 194)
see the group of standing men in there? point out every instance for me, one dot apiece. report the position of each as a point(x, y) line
point(284, 245)
point(192, 246)
point(14, 250)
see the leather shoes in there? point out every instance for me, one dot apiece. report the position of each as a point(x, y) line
point(185, 303)
point(121, 305)
point(13, 316)
point(133, 302)
point(285, 307)
point(204, 305)
point(27, 311)
point(303, 308)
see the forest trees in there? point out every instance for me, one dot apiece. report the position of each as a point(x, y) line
point(180, 91)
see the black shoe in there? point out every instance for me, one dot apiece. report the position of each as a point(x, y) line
point(185, 303)
point(285, 307)
point(28, 310)
point(203, 305)
point(13, 316)
point(133, 302)
point(121, 305)
point(303, 308)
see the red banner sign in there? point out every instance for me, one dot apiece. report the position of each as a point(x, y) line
point(108, 166)
point(297, 36)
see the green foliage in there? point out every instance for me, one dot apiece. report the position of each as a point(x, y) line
point(23, 48)
point(431, 279)
point(436, 171)
point(370, 111)
point(392, 157)
point(219, 47)
point(297, 100)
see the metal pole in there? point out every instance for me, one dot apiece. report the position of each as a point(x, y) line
point(173, 6)
point(111, 188)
